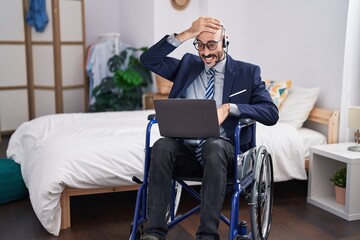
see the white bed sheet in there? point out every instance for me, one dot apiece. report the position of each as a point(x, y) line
point(92, 150)
point(85, 150)
point(287, 150)
point(311, 138)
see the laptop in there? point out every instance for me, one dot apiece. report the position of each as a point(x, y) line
point(187, 118)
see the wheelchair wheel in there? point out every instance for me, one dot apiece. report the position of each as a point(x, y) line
point(261, 197)
point(246, 165)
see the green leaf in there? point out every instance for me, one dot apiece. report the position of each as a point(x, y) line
point(123, 89)
point(127, 79)
point(339, 177)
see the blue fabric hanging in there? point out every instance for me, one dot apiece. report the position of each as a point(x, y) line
point(36, 15)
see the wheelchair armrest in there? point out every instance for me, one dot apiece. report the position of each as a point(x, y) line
point(246, 121)
point(151, 117)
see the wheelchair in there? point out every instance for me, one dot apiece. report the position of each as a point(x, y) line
point(252, 178)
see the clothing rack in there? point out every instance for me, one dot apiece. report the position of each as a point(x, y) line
point(113, 38)
point(98, 54)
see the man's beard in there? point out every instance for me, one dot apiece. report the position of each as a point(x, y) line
point(217, 57)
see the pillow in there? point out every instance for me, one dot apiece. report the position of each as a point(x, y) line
point(298, 105)
point(278, 90)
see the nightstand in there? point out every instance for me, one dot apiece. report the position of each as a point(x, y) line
point(324, 161)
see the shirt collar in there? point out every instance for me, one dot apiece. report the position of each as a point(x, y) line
point(219, 67)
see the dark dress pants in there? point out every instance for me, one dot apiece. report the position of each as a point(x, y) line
point(170, 157)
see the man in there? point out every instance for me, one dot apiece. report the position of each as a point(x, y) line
point(238, 92)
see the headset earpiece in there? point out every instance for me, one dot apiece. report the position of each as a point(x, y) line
point(225, 41)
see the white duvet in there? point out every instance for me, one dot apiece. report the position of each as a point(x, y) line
point(91, 150)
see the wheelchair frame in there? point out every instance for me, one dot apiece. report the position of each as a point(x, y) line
point(252, 177)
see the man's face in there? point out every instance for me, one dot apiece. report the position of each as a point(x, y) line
point(211, 57)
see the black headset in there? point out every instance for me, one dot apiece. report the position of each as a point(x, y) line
point(225, 38)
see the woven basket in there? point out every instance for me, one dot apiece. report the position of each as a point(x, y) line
point(163, 85)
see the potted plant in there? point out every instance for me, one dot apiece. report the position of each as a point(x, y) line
point(123, 90)
point(339, 181)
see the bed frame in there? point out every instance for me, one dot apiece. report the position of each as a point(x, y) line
point(70, 192)
point(328, 118)
point(317, 115)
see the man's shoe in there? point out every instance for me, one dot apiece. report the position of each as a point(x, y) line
point(148, 237)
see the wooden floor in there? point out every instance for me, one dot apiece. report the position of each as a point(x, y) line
point(109, 216)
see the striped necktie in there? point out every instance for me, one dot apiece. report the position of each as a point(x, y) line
point(209, 94)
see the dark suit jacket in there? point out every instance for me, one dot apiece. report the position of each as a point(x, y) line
point(255, 102)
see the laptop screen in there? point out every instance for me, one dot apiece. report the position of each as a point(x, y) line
point(187, 118)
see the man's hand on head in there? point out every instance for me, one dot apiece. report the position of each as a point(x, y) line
point(201, 24)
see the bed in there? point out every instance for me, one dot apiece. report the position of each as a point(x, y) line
point(65, 155)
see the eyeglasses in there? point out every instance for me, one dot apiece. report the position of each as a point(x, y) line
point(211, 45)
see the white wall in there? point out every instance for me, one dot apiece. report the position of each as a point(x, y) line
point(169, 20)
point(96, 22)
point(289, 39)
point(137, 23)
point(351, 77)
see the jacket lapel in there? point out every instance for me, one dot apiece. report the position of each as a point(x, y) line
point(229, 79)
point(194, 73)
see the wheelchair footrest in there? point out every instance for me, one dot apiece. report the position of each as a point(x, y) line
point(137, 180)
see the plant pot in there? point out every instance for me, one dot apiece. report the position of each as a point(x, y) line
point(340, 193)
point(163, 85)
